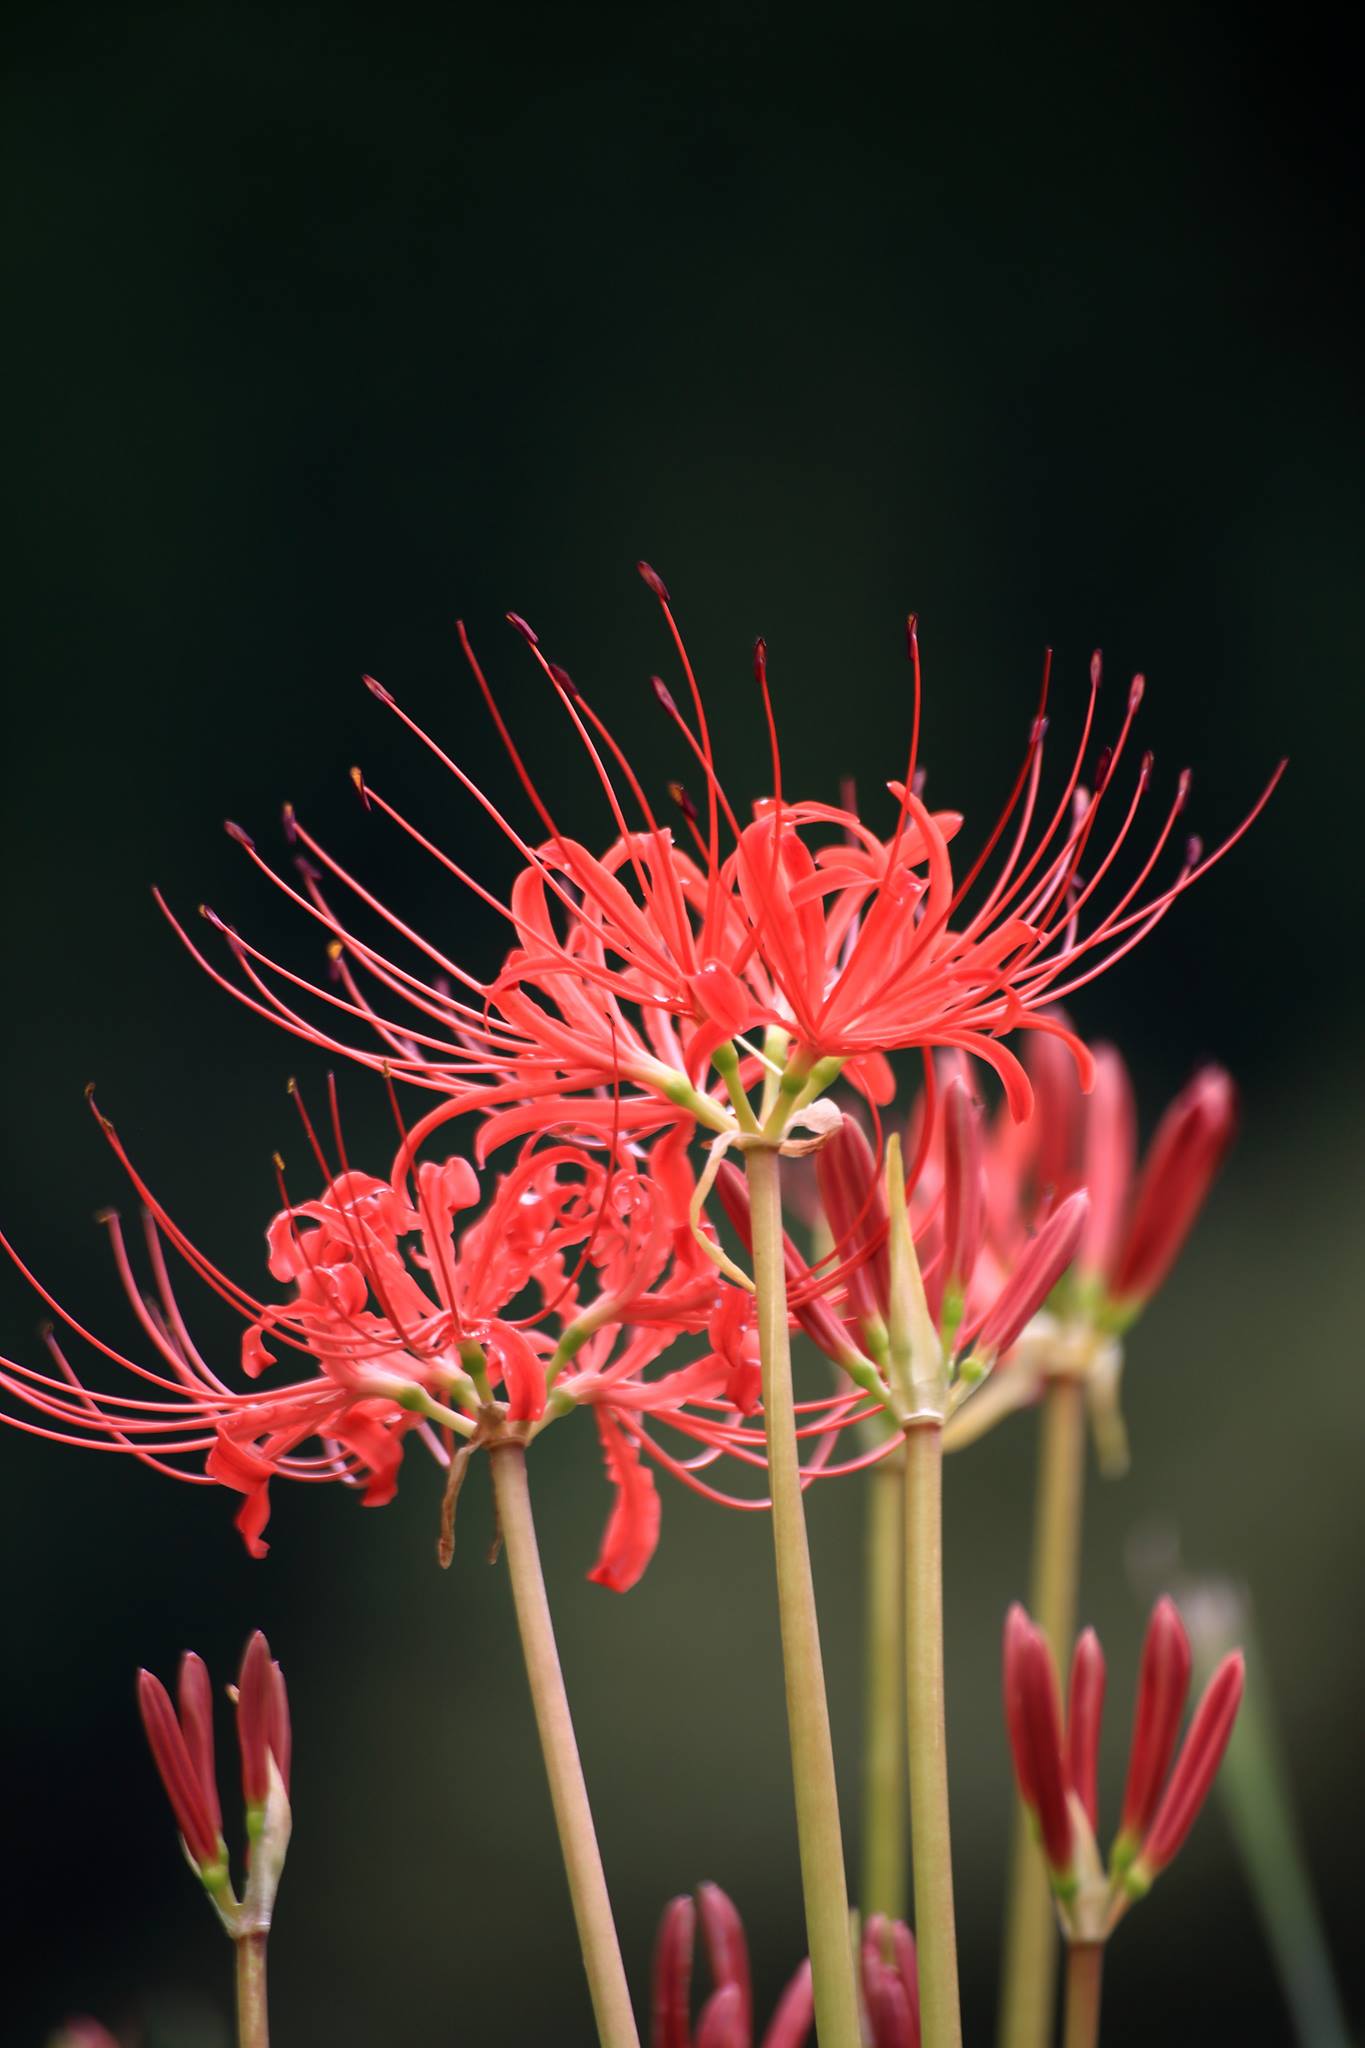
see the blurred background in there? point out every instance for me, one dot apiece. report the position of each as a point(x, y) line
point(329, 325)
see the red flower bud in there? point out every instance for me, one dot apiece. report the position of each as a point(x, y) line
point(1197, 1765)
point(1190, 1145)
point(964, 1185)
point(1163, 1681)
point(1033, 1718)
point(262, 1720)
point(854, 1202)
point(890, 1986)
point(671, 2022)
point(1109, 1162)
point(1085, 1705)
point(1039, 1269)
point(193, 1798)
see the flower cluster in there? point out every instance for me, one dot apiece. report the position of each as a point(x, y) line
point(181, 1740)
point(1056, 1761)
point(888, 1983)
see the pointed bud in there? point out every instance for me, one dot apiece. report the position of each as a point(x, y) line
point(1190, 1145)
point(1085, 1706)
point(854, 1203)
point(256, 1718)
point(1197, 1765)
point(1033, 1719)
point(1163, 1681)
point(723, 2023)
point(195, 1809)
point(1039, 1268)
point(964, 1186)
point(1108, 1164)
point(727, 1951)
point(1057, 1122)
point(196, 1721)
point(671, 1992)
point(890, 1983)
point(791, 2023)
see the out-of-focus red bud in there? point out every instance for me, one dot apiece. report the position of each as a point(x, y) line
point(727, 1951)
point(671, 1991)
point(1085, 1706)
point(964, 1185)
point(722, 2023)
point(1163, 1682)
point(890, 1983)
point(1037, 1272)
point(1197, 1765)
point(1190, 1145)
point(1058, 1115)
point(1033, 1719)
point(1109, 1163)
point(854, 1203)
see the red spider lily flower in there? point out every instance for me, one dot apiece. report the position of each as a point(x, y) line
point(636, 970)
point(1055, 1765)
point(182, 1750)
point(83, 2032)
point(410, 1320)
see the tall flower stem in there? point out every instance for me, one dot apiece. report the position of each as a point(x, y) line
point(1084, 1975)
point(930, 1839)
point(568, 1792)
point(1031, 1939)
point(819, 1835)
point(253, 2019)
point(884, 1859)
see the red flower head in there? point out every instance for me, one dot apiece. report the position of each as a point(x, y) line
point(812, 937)
point(412, 1313)
point(1055, 1762)
point(182, 1749)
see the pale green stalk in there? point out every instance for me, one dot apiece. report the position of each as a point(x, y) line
point(568, 1791)
point(1029, 1976)
point(885, 1810)
point(819, 1836)
point(926, 1727)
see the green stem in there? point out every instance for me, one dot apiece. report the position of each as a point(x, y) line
point(1084, 1979)
point(818, 1831)
point(930, 1840)
point(568, 1792)
point(884, 1794)
point(1031, 1939)
point(253, 2018)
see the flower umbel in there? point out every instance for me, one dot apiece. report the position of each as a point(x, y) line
point(1055, 1763)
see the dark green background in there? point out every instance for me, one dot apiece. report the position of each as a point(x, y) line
point(327, 325)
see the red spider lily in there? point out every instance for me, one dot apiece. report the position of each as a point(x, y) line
point(888, 1970)
point(408, 1321)
point(1055, 1762)
point(633, 972)
point(182, 1749)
